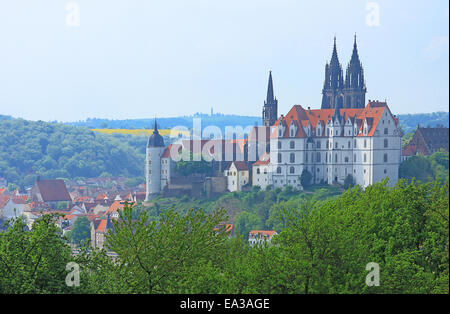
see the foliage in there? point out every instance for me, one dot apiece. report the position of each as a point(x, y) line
point(323, 246)
point(81, 231)
point(52, 150)
point(305, 179)
point(425, 168)
point(33, 261)
point(192, 166)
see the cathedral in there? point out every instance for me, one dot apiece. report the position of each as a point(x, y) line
point(349, 92)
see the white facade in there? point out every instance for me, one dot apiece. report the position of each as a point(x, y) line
point(153, 170)
point(237, 177)
point(366, 146)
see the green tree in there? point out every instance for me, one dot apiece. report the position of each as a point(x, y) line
point(305, 179)
point(33, 261)
point(81, 231)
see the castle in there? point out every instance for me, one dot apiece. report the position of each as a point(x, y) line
point(344, 141)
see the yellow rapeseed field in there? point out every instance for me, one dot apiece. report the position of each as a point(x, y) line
point(139, 132)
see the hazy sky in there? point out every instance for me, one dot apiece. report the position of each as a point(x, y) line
point(138, 58)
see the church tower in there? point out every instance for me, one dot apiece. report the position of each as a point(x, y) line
point(270, 109)
point(154, 151)
point(355, 86)
point(333, 87)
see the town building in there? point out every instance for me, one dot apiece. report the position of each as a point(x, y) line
point(260, 237)
point(51, 192)
point(426, 141)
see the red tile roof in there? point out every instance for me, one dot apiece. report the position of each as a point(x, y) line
point(265, 233)
point(301, 117)
point(263, 160)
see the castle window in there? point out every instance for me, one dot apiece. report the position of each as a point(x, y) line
point(265, 170)
point(278, 169)
point(354, 158)
point(258, 171)
point(291, 170)
point(365, 157)
point(292, 158)
point(292, 144)
point(326, 157)
point(354, 144)
point(335, 158)
point(318, 157)
point(292, 132)
point(318, 144)
point(365, 143)
point(306, 157)
point(385, 171)
point(385, 143)
point(385, 157)
point(385, 130)
point(346, 159)
point(279, 157)
point(279, 144)
point(349, 144)
point(336, 145)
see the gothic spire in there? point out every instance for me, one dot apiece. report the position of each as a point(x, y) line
point(155, 128)
point(270, 96)
point(355, 58)
point(334, 57)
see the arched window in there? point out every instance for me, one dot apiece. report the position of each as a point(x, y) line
point(278, 169)
point(292, 144)
point(292, 158)
point(291, 170)
point(258, 171)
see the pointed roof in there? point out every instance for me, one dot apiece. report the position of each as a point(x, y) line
point(334, 57)
point(355, 57)
point(155, 139)
point(270, 95)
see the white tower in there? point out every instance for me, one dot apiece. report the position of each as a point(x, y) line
point(155, 148)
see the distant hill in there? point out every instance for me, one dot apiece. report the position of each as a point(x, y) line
point(219, 120)
point(54, 150)
point(408, 122)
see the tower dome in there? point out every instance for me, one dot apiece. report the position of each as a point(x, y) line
point(155, 140)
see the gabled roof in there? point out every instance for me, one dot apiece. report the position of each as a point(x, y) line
point(301, 117)
point(53, 190)
point(263, 160)
point(117, 205)
point(240, 165)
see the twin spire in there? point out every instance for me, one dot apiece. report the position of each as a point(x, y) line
point(349, 93)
